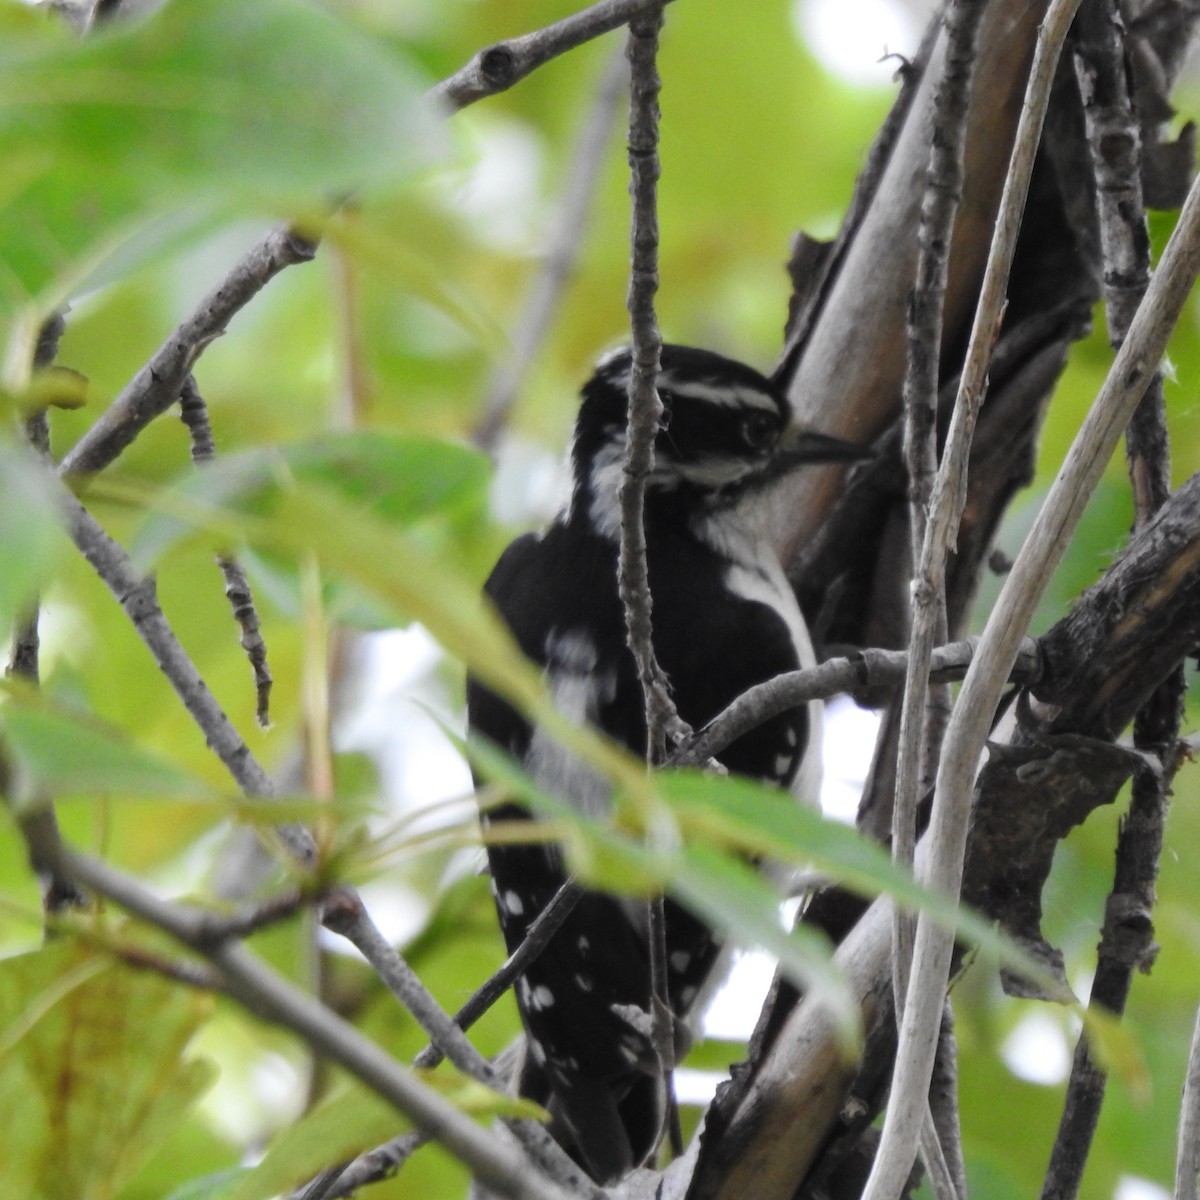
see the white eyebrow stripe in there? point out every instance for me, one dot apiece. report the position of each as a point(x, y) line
point(735, 397)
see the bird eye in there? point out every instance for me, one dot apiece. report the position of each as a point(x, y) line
point(759, 430)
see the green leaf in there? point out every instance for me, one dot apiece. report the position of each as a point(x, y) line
point(355, 1120)
point(758, 819)
point(210, 1187)
point(207, 104)
point(749, 816)
point(734, 899)
point(93, 1070)
point(62, 752)
point(404, 572)
point(403, 480)
point(31, 542)
point(333, 1132)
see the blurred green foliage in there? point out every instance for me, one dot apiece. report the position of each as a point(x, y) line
point(137, 165)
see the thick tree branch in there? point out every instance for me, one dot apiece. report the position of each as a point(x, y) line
point(1126, 942)
point(1137, 616)
point(848, 378)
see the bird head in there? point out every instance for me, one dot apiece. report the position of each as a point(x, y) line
point(725, 430)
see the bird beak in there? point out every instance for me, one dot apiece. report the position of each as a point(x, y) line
point(800, 446)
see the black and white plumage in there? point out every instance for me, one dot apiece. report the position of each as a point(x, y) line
point(724, 619)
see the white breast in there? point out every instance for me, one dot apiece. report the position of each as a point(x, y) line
point(755, 574)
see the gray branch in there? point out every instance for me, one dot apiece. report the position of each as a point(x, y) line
point(496, 68)
point(194, 412)
point(157, 385)
point(863, 672)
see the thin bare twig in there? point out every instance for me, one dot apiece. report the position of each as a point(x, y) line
point(544, 927)
point(344, 914)
point(385, 1160)
point(1123, 388)
point(496, 68)
point(645, 407)
point(191, 974)
point(948, 1174)
point(23, 654)
point(157, 385)
point(137, 596)
point(943, 191)
point(561, 252)
point(645, 413)
point(194, 412)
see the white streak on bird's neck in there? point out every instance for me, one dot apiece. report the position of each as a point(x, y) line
point(755, 574)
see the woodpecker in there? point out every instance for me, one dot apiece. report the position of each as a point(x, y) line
point(724, 619)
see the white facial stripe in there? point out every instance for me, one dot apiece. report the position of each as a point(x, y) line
point(724, 396)
point(692, 388)
point(715, 472)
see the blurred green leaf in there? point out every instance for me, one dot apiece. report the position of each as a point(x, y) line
point(210, 1187)
point(31, 543)
point(402, 480)
point(401, 570)
point(335, 1131)
point(205, 103)
point(354, 1121)
point(93, 1070)
point(63, 752)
